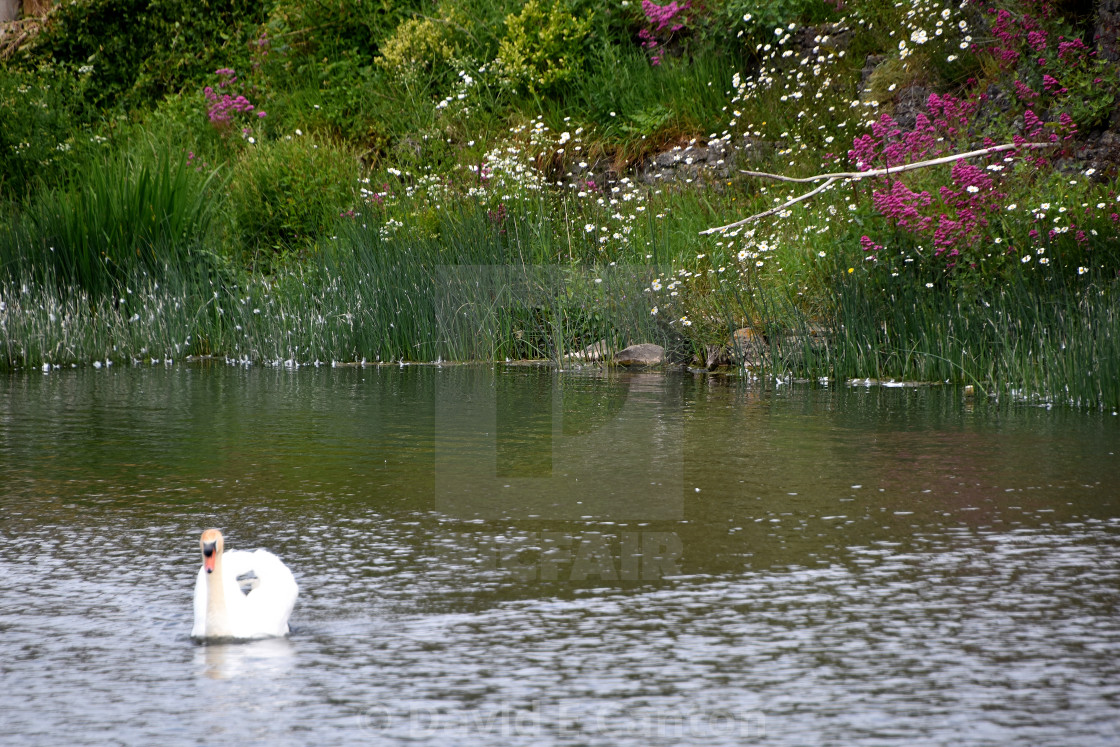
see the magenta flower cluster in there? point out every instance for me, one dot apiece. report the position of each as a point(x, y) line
point(1021, 44)
point(1014, 33)
point(970, 198)
point(869, 245)
point(960, 212)
point(223, 106)
point(888, 146)
point(663, 17)
point(953, 218)
point(663, 22)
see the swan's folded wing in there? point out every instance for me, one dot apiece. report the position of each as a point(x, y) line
point(248, 581)
point(239, 562)
point(275, 592)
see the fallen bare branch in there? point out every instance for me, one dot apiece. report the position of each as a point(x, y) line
point(857, 175)
point(775, 209)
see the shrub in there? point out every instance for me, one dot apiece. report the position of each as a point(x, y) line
point(544, 47)
point(41, 125)
point(320, 61)
point(283, 194)
point(416, 44)
point(140, 50)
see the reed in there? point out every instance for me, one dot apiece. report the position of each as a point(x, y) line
point(152, 321)
point(127, 217)
point(476, 285)
point(1015, 341)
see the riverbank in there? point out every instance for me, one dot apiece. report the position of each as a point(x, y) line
point(443, 191)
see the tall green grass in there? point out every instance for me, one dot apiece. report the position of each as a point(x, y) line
point(125, 218)
point(472, 285)
point(629, 101)
point(476, 285)
point(1054, 345)
point(164, 320)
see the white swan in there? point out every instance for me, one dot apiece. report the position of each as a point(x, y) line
point(223, 610)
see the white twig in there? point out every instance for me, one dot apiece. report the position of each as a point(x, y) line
point(857, 175)
point(771, 211)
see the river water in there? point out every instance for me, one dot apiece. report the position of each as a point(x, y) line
point(520, 556)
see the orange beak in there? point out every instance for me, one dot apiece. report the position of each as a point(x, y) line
point(209, 556)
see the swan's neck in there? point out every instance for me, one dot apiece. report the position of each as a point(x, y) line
point(217, 615)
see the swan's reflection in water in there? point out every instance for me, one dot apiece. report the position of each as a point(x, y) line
point(266, 658)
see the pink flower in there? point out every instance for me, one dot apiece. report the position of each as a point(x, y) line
point(663, 21)
point(1026, 93)
point(224, 106)
point(1032, 125)
point(1070, 48)
point(661, 17)
point(1052, 85)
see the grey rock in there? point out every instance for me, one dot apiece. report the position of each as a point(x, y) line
point(711, 162)
point(908, 104)
point(1107, 29)
point(642, 354)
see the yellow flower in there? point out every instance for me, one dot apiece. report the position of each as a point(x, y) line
point(851, 270)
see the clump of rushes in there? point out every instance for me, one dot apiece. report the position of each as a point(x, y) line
point(126, 216)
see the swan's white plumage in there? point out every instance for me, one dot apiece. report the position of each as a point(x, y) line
point(227, 612)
